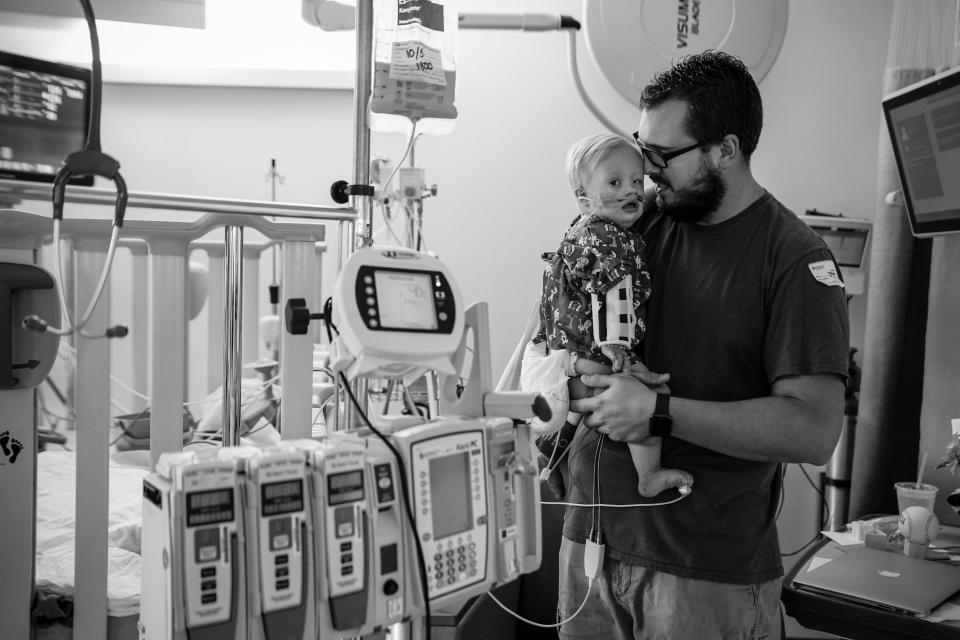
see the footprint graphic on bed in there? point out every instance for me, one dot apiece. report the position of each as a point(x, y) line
point(11, 446)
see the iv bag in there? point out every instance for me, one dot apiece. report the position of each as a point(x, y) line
point(414, 69)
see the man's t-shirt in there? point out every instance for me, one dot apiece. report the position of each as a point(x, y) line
point(734, 307)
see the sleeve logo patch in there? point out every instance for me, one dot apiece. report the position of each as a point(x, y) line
point(825, 271)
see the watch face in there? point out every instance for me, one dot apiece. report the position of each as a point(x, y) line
point(660, 425)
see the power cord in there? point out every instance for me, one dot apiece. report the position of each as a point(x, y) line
point(593, 554)
point(825, 508)
point(543, 625)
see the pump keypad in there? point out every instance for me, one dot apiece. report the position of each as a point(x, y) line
point(455, 563)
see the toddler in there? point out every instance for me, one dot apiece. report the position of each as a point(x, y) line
point(597, 284)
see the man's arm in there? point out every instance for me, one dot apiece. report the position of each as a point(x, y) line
point(799, 422)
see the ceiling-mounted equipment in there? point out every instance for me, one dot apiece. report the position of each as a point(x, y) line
point(630, 40)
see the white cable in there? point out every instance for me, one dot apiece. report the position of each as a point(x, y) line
point(124, 385)
point(413, 137)
point(71, 356)
point(540, 624)
point(387, 225)
point(613, 506)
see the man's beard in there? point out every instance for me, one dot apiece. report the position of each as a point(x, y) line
point(695, 203)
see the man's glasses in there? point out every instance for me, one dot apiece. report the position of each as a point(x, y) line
point(660, 159)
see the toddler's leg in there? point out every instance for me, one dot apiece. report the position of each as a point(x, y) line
point(654, 479)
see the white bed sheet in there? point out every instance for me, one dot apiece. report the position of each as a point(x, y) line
point(56, 522)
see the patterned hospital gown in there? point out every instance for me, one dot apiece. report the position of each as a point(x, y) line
point(596, 254)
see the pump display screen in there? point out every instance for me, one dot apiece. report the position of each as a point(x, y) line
point(450, 494)
point(281, 497)
point(345, 487)
point(405, 300)
point(209, 507)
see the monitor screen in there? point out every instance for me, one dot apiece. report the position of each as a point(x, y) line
point(209, 507)
point(44, 113)
point(281, 497)
point(450, 494)
point(405, 300)
point(923, 121)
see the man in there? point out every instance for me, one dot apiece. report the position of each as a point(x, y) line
point(748, 317)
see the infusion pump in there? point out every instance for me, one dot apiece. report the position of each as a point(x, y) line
point(312, 539)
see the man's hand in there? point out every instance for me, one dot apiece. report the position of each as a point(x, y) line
point(621, 409)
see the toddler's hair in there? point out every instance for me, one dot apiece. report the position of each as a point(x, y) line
point(584, 156)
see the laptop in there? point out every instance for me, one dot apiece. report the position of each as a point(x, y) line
point(883, 579)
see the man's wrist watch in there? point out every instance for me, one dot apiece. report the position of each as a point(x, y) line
point(661, 424)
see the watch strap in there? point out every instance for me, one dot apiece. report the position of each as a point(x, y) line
point(661, 423)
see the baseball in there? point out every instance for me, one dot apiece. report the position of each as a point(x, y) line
point(918, 525)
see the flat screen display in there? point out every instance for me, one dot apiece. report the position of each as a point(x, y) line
point(209, 507)
point(846, 245)
point(281, 497)
point(345, 487)
point(450, 497)
point(923, 121)
point(44, 111)
point(405, 300)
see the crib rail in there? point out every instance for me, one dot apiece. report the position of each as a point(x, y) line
point(15, 191)
point(167, 244)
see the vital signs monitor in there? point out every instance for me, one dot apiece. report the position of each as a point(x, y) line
point(399, 314)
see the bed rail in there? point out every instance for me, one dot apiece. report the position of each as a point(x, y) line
point(166, 245)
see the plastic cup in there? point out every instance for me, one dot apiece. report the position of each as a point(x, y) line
point(908, 495)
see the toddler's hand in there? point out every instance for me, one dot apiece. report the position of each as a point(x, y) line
point(656, 381)
point(618, 354)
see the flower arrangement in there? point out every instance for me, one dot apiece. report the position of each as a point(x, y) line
point(952, 458)
point(951, 462)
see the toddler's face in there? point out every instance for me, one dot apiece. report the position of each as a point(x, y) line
point(615, 188)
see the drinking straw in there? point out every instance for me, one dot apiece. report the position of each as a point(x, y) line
point(923, 463)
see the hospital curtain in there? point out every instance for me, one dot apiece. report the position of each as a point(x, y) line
point(911, 356)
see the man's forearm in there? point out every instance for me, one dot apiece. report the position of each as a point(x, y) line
point(785, 427)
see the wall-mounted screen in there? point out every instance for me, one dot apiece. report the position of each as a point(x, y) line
point(923, 121)
point(44, 114)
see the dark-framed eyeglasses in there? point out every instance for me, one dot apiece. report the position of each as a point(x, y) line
point(660, 159)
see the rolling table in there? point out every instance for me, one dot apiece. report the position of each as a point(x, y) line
point(856, 621)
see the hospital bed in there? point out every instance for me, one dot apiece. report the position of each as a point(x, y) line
point(87, 566)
